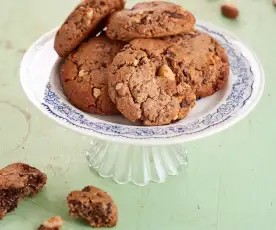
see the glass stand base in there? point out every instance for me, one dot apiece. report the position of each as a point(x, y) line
point(136, 164)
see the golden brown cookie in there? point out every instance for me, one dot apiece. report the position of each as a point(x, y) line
point(206, 66)
point(18, 181)
point(86, 19)
point(93, 205)
point(84, 75)
point(145, 85)
point(149, 20)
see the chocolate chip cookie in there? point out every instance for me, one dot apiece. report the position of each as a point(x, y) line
point(149, 20)
point(93, 205)
point(84, 75)
point(86, 19)
point(145, 84)
point(18, 181)
point(205, 66)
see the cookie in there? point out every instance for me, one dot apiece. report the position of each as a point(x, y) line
point(149, 20)
point(18, 181)
point(86, 19)
point(84, 75)
point(55, 223)
point(206, 66)
point(93, 205)
point(145, 85)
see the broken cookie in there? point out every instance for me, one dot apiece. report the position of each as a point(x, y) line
point(18, 181)
point(93, 205)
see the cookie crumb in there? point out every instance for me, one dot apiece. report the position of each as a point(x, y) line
point(229, 10)
point(55, 223)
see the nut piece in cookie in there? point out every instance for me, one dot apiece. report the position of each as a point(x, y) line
point(93, 205)
point(205, 64)
point(146, 84)
point(86, 19)
point(230, 11)
point(18, 181)
point(149, 20)
point(84, 75)
point(55, 223)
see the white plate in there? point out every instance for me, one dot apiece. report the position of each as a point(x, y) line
point(39, 78)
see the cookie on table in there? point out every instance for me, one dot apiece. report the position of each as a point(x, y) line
point(206, 65)
point(86, 19)
point(145, 85)
point(55, 223)
point(149, 20)
point(93, 205)
point(84, 75)
point(18, 181)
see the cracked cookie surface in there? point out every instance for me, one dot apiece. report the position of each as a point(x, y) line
point(18, 181)
point(93, 205)
point(84, 75)
point(86, 19)
point(145, 85)
point(149, 20)
point(206, 66)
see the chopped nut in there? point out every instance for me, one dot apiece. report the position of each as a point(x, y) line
point(82, 73)
point(88, 16)
point(175, 118)
point(53, 223)
point(180, 98)
point(135, 63)
point(230, 11)
point(149, 18)
point(89, 13)
point(183, 112)
point(119, 86)
point(96, 92)
point(137, 18)
point(212, 60)
point(166, 72)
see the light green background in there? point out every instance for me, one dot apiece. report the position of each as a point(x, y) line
point(231, 180)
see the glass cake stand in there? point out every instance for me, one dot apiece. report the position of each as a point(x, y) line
point(130, 153)
point(136, 164)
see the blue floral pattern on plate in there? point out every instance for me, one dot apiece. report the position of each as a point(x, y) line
point(240, 93)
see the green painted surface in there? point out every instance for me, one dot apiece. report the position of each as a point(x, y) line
point(230, 183)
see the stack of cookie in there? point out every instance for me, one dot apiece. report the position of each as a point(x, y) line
point(147, 63)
